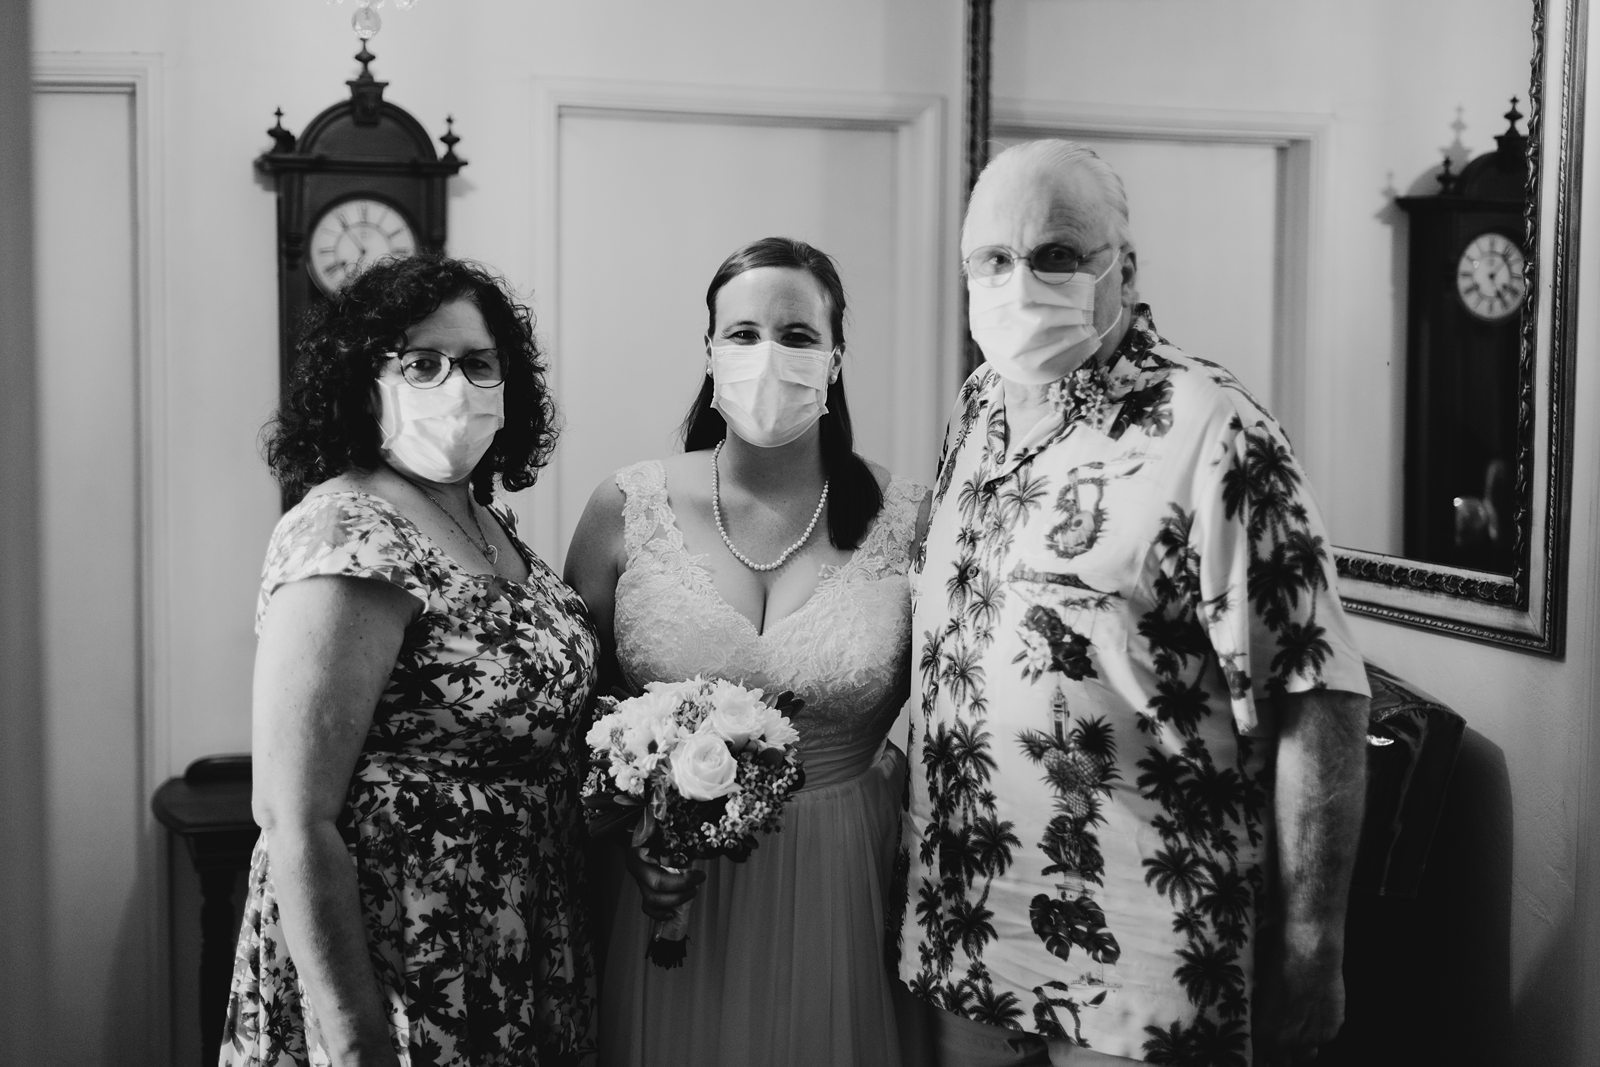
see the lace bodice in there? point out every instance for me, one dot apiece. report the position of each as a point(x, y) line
point(844, 652)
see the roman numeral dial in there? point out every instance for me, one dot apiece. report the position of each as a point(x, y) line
point(1492, 276)
point(350, 235)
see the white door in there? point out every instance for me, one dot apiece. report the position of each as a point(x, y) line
point(100, 870)
point(686, 181)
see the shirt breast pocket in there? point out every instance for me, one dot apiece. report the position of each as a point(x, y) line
point(1096, 529)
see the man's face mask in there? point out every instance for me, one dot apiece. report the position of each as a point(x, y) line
point(768, 393)
point(1034, 331)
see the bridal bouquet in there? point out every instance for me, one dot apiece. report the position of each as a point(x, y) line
point(700, 768)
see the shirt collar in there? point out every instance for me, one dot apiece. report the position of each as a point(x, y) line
point(1093, 396)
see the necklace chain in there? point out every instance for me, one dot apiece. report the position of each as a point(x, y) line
point(716, 513)
point(481, 542)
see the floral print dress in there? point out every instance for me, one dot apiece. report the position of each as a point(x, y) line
point(461, 817)
point(1104, 608)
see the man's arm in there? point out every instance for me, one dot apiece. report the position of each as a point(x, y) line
point(1318, 794)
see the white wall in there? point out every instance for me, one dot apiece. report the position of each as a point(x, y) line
point(1387, 80)
point(208, 375)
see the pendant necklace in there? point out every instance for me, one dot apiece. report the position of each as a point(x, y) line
point(716, 513)
point(481, 542)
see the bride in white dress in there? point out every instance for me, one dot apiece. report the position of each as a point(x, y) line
point(774, 556)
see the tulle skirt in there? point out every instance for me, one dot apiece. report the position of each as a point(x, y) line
point(786, 950)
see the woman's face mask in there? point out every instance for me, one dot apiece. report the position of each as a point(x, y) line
point(438, 434)
point(770, 394)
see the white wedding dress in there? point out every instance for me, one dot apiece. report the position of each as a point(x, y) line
point(785, 952)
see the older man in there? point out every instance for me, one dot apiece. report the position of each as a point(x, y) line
point(1138, 719)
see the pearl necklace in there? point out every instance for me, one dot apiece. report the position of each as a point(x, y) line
point(716, 513)
point(481, 542)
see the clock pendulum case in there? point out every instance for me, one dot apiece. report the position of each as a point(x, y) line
point(361, 182)
point(1467, 284)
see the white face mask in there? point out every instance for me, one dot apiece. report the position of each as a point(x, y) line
point(1033, 333)
point(438, 434)
point(770, 394)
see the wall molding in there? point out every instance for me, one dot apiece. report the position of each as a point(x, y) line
point(138, 76)
point(1301, 360)
point(917, 122)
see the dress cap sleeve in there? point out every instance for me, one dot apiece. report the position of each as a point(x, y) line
point(345, 534)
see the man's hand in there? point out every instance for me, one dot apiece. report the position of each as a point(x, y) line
point(1299, 999)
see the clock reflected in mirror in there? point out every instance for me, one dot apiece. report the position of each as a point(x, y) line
point(1491, 277)
point(1467, 283)
point(351, 235)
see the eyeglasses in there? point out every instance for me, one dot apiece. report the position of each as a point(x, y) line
point(425, 368)
point(1052, 264)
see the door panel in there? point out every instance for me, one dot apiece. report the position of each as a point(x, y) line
point(96, 801)
point(638, 192)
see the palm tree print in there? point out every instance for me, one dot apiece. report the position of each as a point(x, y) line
point(967, 924)
point(962, 674)
point(1002, 1008)
point(988, 598)
point(1210, 592)
point(1204, 1044)
point(992, 842)
point(1178, 873)
point(1021, 497)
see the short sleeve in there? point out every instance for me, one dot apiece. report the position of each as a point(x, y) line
point(1268, 586)
point(350, 535)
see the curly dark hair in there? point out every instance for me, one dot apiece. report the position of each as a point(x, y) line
point(325, 422)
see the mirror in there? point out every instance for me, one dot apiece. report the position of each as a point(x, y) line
point(1283, 177)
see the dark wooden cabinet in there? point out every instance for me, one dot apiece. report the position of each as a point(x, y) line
point(208, 809)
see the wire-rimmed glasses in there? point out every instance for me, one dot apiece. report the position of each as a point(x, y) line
point(1051, 263)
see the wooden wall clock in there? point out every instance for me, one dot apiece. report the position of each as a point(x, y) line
point(363, 181)
point(1466, 287)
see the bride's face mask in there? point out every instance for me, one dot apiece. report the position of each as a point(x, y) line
point(770, 394)
point(769, 359)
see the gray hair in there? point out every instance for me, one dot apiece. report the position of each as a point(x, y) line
point(1055, 156)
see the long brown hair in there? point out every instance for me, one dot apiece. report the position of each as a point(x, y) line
point(855, 497)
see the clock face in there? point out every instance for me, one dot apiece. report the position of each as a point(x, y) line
point(1491, 277)
point(350, 235)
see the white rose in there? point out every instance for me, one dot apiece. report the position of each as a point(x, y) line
point(599, 736)
point(703, 768)
point(737, 714)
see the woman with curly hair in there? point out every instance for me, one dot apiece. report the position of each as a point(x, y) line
point(414, 895)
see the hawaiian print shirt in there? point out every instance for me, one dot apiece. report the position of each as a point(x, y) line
point(1101, 608)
